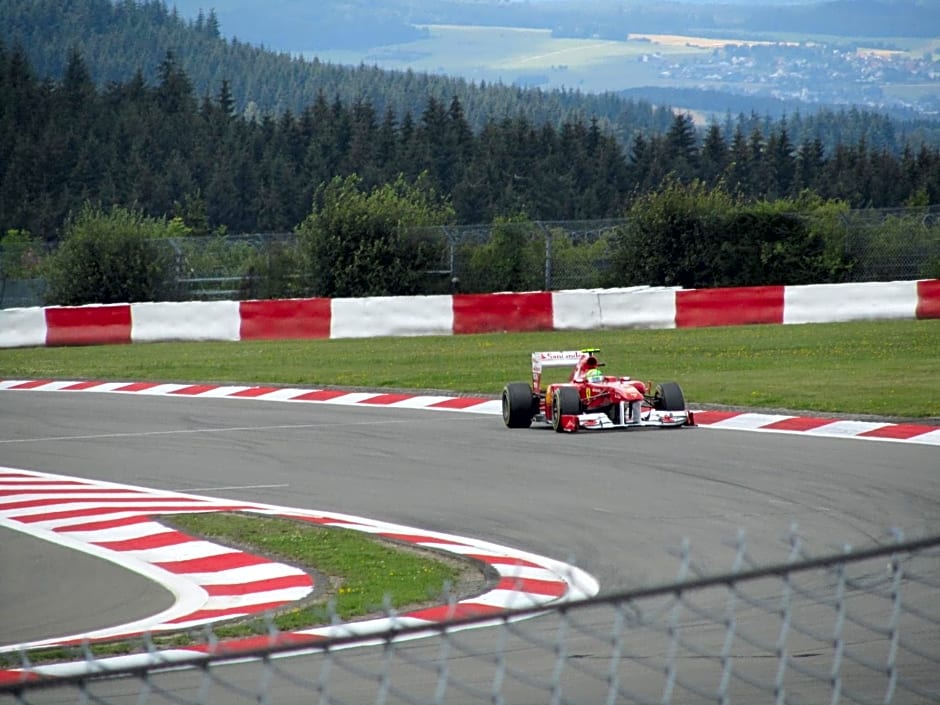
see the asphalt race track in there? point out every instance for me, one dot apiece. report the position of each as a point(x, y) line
point(612, 503)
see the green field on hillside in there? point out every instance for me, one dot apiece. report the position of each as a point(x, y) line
point(511, 54)
point(508, 54)
point(889, 368)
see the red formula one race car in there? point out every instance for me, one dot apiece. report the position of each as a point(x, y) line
point(590, 399)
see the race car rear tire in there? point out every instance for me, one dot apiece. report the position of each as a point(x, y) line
point(565, 402)
point(668, 397)
point(517, 405)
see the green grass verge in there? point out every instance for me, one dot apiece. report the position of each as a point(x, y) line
point(888, 368)
point(363, 575)
point(363, 571)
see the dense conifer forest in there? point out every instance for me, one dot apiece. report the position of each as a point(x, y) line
point(161, 148)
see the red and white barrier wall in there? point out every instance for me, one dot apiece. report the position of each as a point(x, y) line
point(636, 307)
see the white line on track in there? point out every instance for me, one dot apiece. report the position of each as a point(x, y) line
point(230, 487)
point(191, 431)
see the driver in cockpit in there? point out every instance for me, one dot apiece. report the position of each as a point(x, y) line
point(592, 372)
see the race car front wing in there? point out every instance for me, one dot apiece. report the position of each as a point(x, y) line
point(599, 421)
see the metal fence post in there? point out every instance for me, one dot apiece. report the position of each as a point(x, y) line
point(548, 254)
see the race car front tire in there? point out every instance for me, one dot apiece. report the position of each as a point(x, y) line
point(517, 405)
point(565, 402)
point(668, 397)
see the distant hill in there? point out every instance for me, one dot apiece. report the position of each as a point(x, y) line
point(584, 45)
point(343, 24)
point(716, 104)
point(119, 39)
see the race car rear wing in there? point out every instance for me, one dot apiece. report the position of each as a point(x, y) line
point(555, 358)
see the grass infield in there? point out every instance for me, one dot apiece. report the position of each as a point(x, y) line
point(363, 574)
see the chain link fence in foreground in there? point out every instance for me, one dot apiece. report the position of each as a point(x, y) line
point(857, 626)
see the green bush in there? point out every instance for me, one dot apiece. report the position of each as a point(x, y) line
point(826, 220)
point(214, 256)
point(697, 237)
point(370, 244)
point(21, 263)
point(116, 256)
point(274, 272)
point(931, 269)
point(672, 237)
point(579, 262)
point(513, 259)
point(902, 245)
point(763, 244)
point(21, 255)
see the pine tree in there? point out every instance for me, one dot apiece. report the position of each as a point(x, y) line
point(681, 148)
point(714, 155)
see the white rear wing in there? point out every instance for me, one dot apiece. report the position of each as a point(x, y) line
point(553, 358)
point(556, 358)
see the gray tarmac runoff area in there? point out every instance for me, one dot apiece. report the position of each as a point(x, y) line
point(612, 503)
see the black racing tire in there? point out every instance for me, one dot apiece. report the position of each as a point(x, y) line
point(517, 405)
point(566, 401)
point(668, 397)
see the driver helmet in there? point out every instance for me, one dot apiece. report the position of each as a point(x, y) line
point(594, 375)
